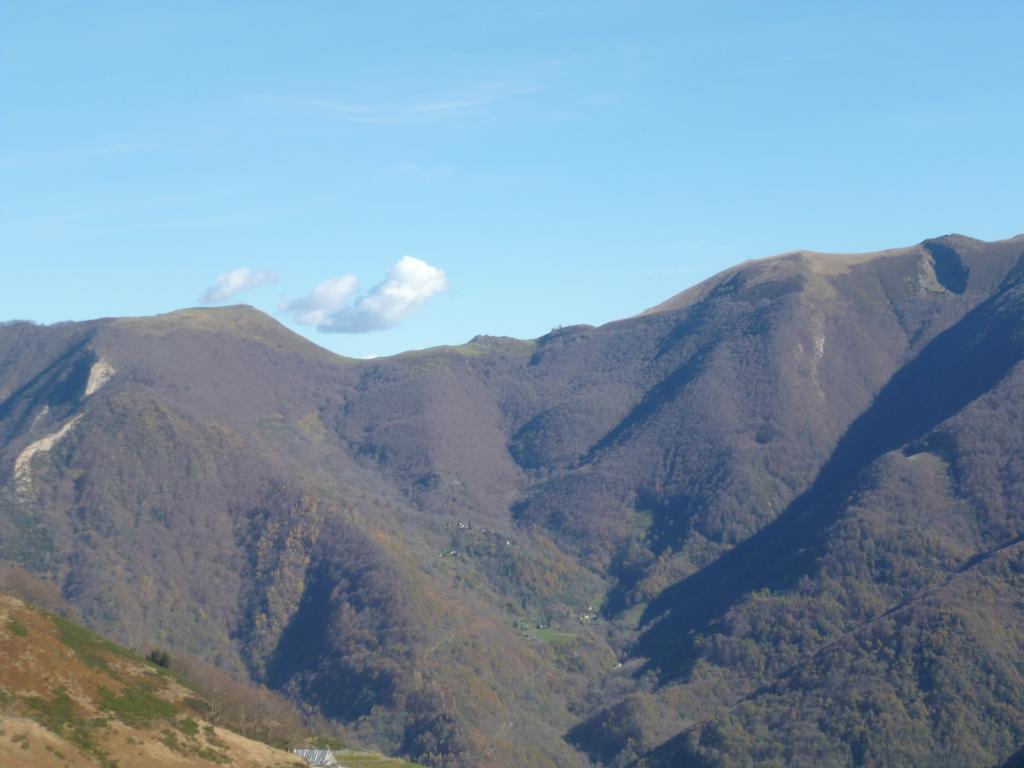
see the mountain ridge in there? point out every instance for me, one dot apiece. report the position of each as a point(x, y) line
point(588, 548)
point(828, 261)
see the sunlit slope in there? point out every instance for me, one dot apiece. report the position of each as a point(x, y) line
point(70, 698)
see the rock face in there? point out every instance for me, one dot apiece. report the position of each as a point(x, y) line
point(775, 518)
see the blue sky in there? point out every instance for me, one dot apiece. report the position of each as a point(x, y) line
point(442, 169)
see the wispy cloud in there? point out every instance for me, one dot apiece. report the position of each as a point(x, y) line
point(447, 108)
point(406, 287)
point(231, 283)
point(327, 299)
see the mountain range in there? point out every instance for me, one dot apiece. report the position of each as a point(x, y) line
point(774, 520)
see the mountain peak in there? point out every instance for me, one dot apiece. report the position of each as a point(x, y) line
point(206, 318)
point(239, 321)
point(962, 254)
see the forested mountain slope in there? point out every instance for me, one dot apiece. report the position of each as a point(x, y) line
point(773, 518)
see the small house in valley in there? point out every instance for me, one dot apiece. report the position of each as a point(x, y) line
point(316, 756)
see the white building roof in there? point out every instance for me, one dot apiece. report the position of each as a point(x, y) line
point(316, 756)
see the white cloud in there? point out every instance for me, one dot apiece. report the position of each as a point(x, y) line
point(406, 287)
point(236, 281)
point(328, 298)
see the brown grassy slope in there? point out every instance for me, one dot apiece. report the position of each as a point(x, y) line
point(69, 698)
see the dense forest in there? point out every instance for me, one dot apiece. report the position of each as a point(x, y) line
point(772, 521)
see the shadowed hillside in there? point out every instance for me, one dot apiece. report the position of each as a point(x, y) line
point(773, 518)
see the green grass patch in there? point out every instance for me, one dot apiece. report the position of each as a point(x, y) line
point(349, 758)
point(170, 740)
point(554, 637)
point(213, 738)
point(189, 748)
point(17, 628)
point(212, 755)
point(137, 706)
point(55, 713)
point(88, 646)
point(59, 716)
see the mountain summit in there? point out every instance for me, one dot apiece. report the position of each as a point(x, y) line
point(772, 520)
